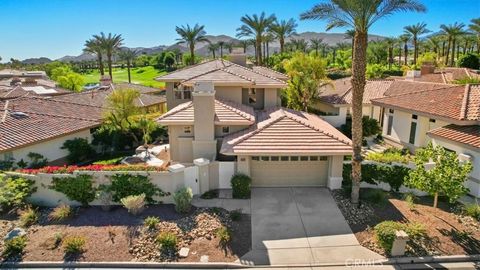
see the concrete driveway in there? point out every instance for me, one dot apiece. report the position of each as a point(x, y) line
point(300, 226)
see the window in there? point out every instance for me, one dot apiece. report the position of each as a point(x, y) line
point(284, 158)
point(265, 158)
point(304, 158)
point(323, 158)
point(187, 92)
point(274, 158)
point(313, 158)
point(294, 158)
point(432, 120)
point(255, 158)
point(413, 131)
point(414, 116)
point(187, 129)
point(389, 124)
point(177, 94)
point(225, 130)
point(252, 96)
point(390, 110)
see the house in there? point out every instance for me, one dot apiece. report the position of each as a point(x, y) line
point(448, 116)
point(223, 110)
point(15, 84)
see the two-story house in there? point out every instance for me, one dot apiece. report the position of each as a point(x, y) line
point(225, 110)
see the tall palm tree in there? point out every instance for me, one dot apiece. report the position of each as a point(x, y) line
point(283, 29)
point(267, 39)
point(350, 34)
point(316, 43)
point(360, 16)
point(221, 44)
point(434, 43)
point(390, 42)
point(213, 47)
point(93, 46)
point(110, 44)
point(452, 31)
point(245, 43)
point(416, 30)
point(128, 56)
point(475, 28)
point(299, 44)
point(405, 38)
point(191, 36)
point(256, 26)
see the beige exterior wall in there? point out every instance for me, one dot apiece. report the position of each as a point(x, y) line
point(231, 93)
point(49, 149)
point(232, 129)
point(272, 97)
point(180, 143)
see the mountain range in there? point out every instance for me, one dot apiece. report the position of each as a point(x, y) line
point(202, 47)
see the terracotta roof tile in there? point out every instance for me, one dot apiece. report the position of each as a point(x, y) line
point(284, 131)
point(342, 91)
point(400, 87)
point(271, 72)
point(469, 135)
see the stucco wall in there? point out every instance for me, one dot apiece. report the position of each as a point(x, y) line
point(49, 149)
point(232, 93)
point(179, 149)
point(336, 120)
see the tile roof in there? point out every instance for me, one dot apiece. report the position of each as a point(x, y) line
point(342, 91)
point(29, 120)
point(445, 75)
point(141, 88)
point(226, 113)
point(270, 72)
point(469, 135)
point(457, 102)
point(223, 71)
point(283, 131)
point(399, 87)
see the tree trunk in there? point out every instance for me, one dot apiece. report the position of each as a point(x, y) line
point(259, 50)
point(268, 53)
point(358, 87)
point(452, 60)
point(109, 59)
point(405, 49)
point(128, 70)
point(100, 64)
point(435, 200)
point(282, 44)
point(443, 48)
point(221, 51)
point(448, 51)
point(390, 57)
point(400, 56)
point(192, 54)
point(415, 50)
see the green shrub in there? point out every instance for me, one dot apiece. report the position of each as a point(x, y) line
point(370, 127)
point(469, 60)
point(389, 156)
point(375, 196)
point(151, 222)
point(14, 246)
point(236, 215)
point(392, 175)
point(124, 185)
point(134, 203)
point(37, 160)
point(79, 150)
point(167, 240)
point(60, 213)
point(415, 230)
point(6, 165)
point(224, 235)
point(74, 244)
point(78, 188)
point(472, 210)
point(410, 200)
point(385, 233)
point(211, 194)
point(113, 161)
point(14, 191)
point(28, 217)
point(241, 186)
point(183, 200)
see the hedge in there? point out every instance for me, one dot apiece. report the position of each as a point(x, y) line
point(373, 173)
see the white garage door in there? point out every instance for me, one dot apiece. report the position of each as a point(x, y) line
point(268, 171)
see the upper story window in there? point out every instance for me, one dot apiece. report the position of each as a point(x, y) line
point(252, 96)
point(390, 110)
point(182, 92)
point(187, 129)
point(432, 120)
point(225, 130)
point(414, 116)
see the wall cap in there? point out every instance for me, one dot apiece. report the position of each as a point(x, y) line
point(201, 161)
point(176, 168)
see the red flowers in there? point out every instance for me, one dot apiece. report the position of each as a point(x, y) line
point(72, 168)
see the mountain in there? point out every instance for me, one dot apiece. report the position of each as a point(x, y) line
point(201, 48)
point(35, 61)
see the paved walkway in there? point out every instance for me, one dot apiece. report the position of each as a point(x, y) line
point(293, 226)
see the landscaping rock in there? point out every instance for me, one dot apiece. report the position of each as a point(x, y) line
point(204, 259)
point(353, 214)
point(183, 253)
point(14, 233)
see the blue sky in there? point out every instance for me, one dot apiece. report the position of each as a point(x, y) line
point(54, 28)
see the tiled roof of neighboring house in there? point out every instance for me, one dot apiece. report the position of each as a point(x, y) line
point(342, 91)
point(98, 98)
point(226, 112)
point(222, 71)
point(445, 75)
point(400, 87)
point(469, 135)
point(457, 102)
point(141, 88)
point(283, 131)
point(19, 87)
point(25, 121)
point(271, 72)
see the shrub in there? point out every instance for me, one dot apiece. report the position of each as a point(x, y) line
point(469, 60)
point(183, 200)
point(28, 217)
point(36, 160)
point(211, 194)
point(134, 203)
point(375, 196)
point(385, 233)
point(124, 185)
point(6, 165)
point(78, 150)
point(372, 173)
point(60, 213)
point(14, 246)
point(410, 200)
point(241, 186)
point(390, 155)
point(74, 244)
point(415, 230)
point(370, 127)
point(14, 191)
point(224, 235)
point(78, 188)
point(472, 210)
point(236, 215)
point(151, 222)
point(112, 161)
point(167, 240)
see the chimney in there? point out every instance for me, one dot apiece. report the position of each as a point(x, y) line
point(105, 80)
point(204, 143)
point(238, 57)
point(427, 68)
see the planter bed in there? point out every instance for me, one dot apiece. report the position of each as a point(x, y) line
point(116, 235)
point(448, 232)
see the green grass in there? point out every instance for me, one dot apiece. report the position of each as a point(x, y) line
point(140, 75)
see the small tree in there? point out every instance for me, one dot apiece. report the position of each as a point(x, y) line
point(469, 61)
point(446, 177)
point(121, 111)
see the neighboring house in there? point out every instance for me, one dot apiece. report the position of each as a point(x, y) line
point(20, 86)
point(440, 75)
point(448, 116)
point(220, 110)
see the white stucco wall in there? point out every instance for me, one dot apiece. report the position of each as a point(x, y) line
point(49, 149)
point(336, 120)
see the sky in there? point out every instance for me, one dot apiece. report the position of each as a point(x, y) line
point(55, 28)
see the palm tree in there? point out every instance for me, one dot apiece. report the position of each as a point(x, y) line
point(452, 31)
point(350, 34)
point(390, 42)
point(359, 15)
point(110, 44)
point(316, 43)
point(93, 46)
point(299, 44)
point(434, 43)
point(220, 44)
point(191, 36)
point(405, 38)
point(416, 30)
point(128, 56)
point(256, 26)
point(213, 47)
point(245, 43)
point(475, 28)
point(283, 29)
point(267, 39)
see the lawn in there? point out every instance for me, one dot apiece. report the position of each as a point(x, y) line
point(141, 75)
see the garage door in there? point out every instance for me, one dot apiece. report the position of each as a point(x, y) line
point(268, 171)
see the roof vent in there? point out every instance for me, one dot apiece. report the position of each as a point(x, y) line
point(19, 114)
